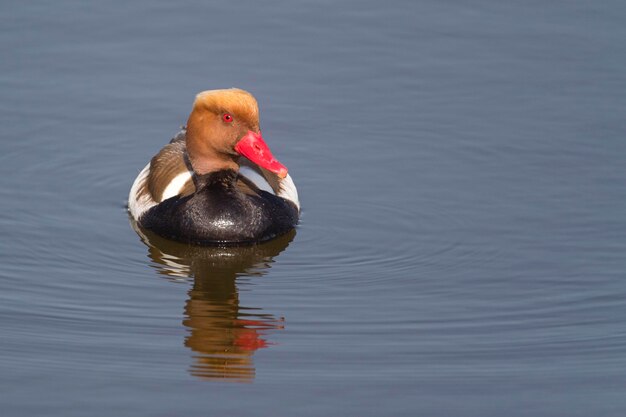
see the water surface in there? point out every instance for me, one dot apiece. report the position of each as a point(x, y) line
point(461, 247)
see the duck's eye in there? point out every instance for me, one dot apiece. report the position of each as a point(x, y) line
point(227, 118)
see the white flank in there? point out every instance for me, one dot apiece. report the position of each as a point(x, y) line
point(252, 173)
point(138, 204)
point(174, 187)
point(288, 190)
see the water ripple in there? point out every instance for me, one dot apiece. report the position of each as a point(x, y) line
point(354, 246)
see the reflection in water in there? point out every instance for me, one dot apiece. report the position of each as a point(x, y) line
point(223, 334)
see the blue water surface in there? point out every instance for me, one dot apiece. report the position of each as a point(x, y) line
point(462, 245)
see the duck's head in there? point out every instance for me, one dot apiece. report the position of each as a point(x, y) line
point(224, 125)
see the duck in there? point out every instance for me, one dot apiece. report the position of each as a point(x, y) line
point(216, 182)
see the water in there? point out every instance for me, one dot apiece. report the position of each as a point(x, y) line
point(461, 249)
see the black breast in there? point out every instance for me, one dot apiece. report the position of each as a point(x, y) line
point(219, 213)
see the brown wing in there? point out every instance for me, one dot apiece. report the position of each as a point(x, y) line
point(165, 167)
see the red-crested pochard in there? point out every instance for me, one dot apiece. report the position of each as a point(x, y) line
point(216, 182)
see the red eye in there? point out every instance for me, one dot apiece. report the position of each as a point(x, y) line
point(227, 118)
